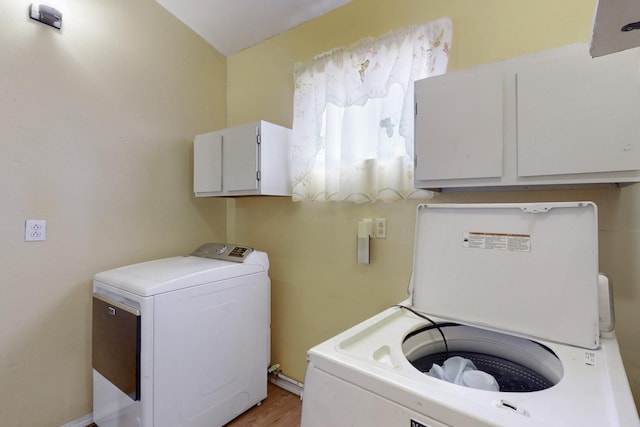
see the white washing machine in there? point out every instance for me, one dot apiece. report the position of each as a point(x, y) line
point(513, 288)
point(181, 341)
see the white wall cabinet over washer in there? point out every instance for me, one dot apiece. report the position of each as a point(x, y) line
point(250, 159)
point(555, 118)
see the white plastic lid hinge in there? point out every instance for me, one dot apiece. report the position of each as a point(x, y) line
point(535, 209)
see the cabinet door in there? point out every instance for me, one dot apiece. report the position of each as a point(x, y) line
point(207, 163)
point(459, 125)
point(240, 150)
point(579, 115)
point(611, 17)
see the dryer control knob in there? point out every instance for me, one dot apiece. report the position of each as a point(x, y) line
point(221, 250)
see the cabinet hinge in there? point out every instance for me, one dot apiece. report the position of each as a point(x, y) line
point(258, 135)
point(258, 176)
point(415, 109)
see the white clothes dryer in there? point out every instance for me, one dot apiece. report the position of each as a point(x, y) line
point(181, 341)
point(515, 289)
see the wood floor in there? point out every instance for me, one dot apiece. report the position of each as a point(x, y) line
point(279, 409)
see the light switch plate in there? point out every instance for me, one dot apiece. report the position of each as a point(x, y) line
point(380, 231)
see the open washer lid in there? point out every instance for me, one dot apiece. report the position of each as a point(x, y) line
point(530, 269)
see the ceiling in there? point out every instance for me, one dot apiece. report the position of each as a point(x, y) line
point(233, 25)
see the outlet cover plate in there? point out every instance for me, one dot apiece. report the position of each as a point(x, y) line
point(35, 230)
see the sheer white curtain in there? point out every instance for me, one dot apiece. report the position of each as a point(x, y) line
point(354, 113)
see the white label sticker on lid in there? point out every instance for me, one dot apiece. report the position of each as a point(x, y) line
point(497, 241)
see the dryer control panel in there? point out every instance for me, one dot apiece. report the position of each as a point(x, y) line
point(223, 251)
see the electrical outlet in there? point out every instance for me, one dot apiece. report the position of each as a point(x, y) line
point(381, 228)
point(35, 230)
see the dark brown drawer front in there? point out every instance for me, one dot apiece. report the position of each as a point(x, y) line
point(116, 344)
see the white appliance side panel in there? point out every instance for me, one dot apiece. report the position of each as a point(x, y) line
point(502, 267)
point(113, 408)
point(579, 115)
point(211, 351)
point(331, 401)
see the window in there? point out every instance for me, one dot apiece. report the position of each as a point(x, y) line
point(354, 113)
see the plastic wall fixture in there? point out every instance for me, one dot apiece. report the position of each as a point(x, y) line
point(47, 13)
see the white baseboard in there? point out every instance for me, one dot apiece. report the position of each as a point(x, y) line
point(80, 422)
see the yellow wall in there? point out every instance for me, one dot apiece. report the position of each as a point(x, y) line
point(96, 138)
point(318, 289)
point(96, 130)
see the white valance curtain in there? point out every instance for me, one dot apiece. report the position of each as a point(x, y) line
point(354, 114)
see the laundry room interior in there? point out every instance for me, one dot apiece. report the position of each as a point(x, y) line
point(96, 138)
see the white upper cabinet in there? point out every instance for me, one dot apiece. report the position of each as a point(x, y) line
point(579, 115)
point(250, 159)
point(556, 118)
point(464, 114)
